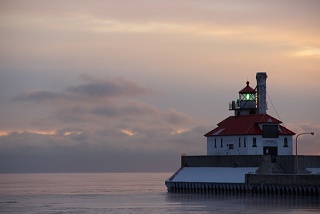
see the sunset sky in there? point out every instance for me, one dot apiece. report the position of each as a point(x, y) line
point(97, 86)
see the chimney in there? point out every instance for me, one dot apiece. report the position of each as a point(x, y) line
point(262, 92)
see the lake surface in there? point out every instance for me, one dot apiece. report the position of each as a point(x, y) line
point(127, 193)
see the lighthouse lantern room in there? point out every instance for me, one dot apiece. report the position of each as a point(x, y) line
point(246, 104)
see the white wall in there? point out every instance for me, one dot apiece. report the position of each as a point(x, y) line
point(218, 150)
point(285, 150)
point(248, 149)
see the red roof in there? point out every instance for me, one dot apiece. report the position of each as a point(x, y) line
point(247, 89)
point(246, 125)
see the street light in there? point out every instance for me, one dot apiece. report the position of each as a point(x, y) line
point(312, 133)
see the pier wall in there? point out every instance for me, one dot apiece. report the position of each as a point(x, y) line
point(222, 161)
point(291, 185)
point(286, 162)
point(284, 180)
point(244, 189)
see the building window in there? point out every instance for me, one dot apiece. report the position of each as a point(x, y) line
point(285, 142)
point(244, 142)
point(239, 142)
point(221, 143)
point(230, 146)
point(254, 142)
point(215, 143)
point(270, 131)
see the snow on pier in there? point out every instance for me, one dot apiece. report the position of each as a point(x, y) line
point(213, 174)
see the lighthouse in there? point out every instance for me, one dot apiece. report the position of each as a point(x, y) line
point(249, 152)
point(251, 131)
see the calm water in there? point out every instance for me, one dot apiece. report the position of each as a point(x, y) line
point(126, 193)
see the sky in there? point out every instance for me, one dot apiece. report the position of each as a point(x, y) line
point(123, 86)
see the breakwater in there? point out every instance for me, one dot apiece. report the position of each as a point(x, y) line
point(206, 188)
point(292, 185)
point(273, 185)
point(278, 178)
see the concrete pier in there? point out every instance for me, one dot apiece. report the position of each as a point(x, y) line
point(266, 180)
point(279, 185)
point(207, 188)
point(244, 189)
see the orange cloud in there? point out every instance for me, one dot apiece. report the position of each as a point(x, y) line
point(4, 133)
point(128, 132)
point(178, 131)
point(307, 52)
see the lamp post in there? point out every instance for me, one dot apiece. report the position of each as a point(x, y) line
point(312, 133)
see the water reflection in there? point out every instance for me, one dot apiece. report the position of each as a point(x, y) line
point(247, 204)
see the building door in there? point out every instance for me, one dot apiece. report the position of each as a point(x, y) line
point(272, 151)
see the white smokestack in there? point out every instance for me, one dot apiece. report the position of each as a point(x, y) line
point(262, 92)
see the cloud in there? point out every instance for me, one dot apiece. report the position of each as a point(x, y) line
point(19, 141)
point(82, 159)
point(99, 151)
point(174, 117)
point(91, 102)
point(109, 88)
point(307, 52)
point(39, 96)
point(98, 118)
point(111, 103)
point(133, 108)
point(209, 22)
point(90, 89)
point(127, 132)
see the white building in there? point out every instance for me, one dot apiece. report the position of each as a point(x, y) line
point(251, 131)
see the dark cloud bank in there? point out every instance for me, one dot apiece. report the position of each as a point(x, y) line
point(30, 152)
point(100, 126)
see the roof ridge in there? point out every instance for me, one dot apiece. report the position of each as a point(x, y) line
point(272, 118)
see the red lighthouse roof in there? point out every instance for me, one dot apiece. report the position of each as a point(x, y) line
point(247, 89)
point(246, 125)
